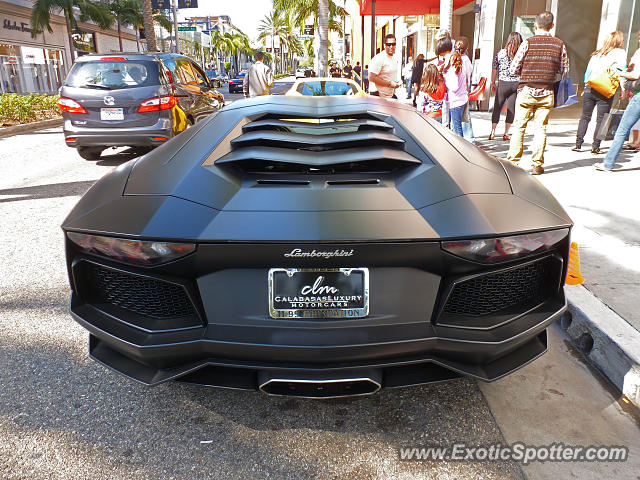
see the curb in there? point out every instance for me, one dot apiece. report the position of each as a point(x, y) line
point(28, 127)
point(606, 340)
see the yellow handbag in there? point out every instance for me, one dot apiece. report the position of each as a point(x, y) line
point(604, 82)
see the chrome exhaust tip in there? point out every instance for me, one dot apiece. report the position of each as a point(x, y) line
point(323, 387)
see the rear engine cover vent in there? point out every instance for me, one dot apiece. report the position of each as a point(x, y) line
point(318, 146)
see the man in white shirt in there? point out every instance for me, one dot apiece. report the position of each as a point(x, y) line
point(383, 70)
point(258, 79)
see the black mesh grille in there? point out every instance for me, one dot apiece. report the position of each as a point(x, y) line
point(141, 295)
point(493, 292)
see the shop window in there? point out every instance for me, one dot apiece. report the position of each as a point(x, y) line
point(84, 43)
point(30, 69)
point(524, 15)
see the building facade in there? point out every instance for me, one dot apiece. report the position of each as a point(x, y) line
point(39, 64)
point(582, 25)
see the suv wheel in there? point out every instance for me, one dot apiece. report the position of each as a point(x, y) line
point(90, 153)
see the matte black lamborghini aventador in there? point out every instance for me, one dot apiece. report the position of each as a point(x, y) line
point(316, 247)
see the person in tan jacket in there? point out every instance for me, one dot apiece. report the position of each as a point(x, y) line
point(258, 79)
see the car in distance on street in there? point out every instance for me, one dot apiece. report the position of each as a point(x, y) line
point(316, 247)
point(137, 100)
point(236, 83)
point(325, 86)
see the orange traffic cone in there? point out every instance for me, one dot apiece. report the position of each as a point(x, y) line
point(574, 277)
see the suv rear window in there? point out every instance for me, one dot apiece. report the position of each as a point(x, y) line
point(113, 74)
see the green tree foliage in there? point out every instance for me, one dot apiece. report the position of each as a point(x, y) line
point(97, 12)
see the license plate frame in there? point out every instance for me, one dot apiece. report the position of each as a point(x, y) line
point(112, 113)
point(318, 297)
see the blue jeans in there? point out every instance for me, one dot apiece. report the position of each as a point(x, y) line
point(629, 118)
point(407, 81)
point(467, 130)
point(456, 119)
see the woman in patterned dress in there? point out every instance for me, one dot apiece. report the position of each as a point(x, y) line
point(505, 86)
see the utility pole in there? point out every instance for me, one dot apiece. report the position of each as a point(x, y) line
point(175, 23)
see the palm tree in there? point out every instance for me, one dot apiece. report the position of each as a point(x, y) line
point(326, 16)
point(150, 33)
point(126, 11)
point(41, 16)
point(272, 25)
point(323, 37)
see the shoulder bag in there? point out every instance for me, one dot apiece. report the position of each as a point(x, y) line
point(610, 123)
point(605, 82)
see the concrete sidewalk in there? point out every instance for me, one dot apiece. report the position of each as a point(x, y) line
point(604, 320)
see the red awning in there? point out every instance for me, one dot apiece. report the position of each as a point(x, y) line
point(406, 7)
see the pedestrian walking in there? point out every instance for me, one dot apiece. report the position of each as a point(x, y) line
point(358, 70)
point(539, 61)
point(335, 70)
point(504, 85)
point(455, 78)
point(416, 76)
point(365, 78)
point(462, 47)
point(444, 46)
point(406, 76)
point(348, 70)
point(629, 118)
point(258, 79)
point(611, 56)
point(431, 92)
point(383, 70)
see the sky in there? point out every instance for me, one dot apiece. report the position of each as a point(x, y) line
point(245, 14)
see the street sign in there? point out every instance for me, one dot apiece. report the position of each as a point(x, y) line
point(186, 29)
point(308, 30)
point(304, 37)
point(161, 4)
point(187, 3)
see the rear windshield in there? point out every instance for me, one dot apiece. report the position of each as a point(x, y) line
point(322, 88)
point(113, 74)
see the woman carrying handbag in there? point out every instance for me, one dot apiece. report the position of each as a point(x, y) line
point(600, 85)
point(631, 113)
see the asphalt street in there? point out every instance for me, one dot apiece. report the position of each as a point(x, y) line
point(63, 416)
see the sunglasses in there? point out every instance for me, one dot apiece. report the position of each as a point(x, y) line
point(390, 44)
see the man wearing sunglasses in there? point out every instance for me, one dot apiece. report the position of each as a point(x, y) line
point(383, 70)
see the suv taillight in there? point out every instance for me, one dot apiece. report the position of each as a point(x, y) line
point(70, 106)
point(157, 103)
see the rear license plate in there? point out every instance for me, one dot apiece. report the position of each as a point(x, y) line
point(319, 293)
point(111, 114)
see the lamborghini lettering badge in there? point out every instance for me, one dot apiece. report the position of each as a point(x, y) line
point(318, 293)
point(298, 253)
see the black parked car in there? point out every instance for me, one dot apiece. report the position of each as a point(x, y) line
point(236, 83)
point(320, 247)
point(135, 100)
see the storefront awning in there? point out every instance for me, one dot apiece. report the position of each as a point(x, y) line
point(406, 7)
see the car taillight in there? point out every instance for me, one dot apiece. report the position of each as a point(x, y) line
point(157, 103)
point(142, 252)
point(113, 59)
point(492, 250)
point(70, 106)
